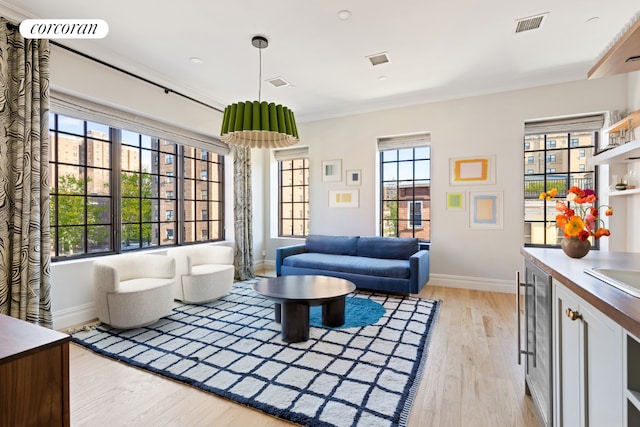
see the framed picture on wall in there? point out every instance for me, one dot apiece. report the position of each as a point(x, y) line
point(344, 198)
point(331, 170)
point(485, 209)
point(472, 170)
point(353, 177)
point(455, 201)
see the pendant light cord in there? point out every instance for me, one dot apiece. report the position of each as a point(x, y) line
point(260, 76)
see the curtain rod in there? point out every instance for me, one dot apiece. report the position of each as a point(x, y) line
point(129, 73)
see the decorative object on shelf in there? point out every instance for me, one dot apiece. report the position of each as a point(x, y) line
point(331, 170)
point(621, 186)
point(472, 170)
point(257, 124)
point(579, 219)
point(574, 247)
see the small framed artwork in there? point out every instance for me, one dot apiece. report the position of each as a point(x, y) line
point(485, 209)
point(344, 198)
point(331, 170)
point(472, 170)
point(455, 201)
point(353, 177)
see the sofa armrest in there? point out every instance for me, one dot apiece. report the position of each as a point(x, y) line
point(105, 278)
point(419, 265)
point(282, 253)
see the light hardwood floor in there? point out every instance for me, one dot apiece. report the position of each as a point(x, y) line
point(471, 378)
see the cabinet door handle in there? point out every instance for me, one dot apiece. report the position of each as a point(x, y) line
point(518, 313)
point(573, 315)
point(519, 334)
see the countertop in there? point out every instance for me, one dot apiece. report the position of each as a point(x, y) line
point(618, 305)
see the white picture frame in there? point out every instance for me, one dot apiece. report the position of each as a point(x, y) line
point(346, 198)
point(353, 177)
point(332, 170)
point(477, 170)
point(456, 200)
point(485, 209)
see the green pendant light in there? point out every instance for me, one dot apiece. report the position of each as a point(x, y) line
point(256, 124)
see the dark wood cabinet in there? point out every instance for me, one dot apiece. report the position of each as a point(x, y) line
point(34, 375)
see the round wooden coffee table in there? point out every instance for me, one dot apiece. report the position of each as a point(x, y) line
point(293, 295)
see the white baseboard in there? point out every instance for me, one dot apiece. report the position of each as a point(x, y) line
point(264, 264)
point(473, 283)
point(64, 319)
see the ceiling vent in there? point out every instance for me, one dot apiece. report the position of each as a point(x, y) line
point(530, 23)
point(378, 58)
point(279, 82)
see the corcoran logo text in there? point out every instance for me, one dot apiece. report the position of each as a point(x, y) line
point(64, 28)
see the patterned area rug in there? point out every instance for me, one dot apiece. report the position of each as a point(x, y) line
point(359, 376)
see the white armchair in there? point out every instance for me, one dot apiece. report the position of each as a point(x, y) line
point(133, 290)
point(203, 272)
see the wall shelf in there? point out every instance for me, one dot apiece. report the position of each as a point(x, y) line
point(629, 152)
point(624, 192)
point(633, 118)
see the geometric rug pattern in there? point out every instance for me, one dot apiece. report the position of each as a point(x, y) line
point(360, 376)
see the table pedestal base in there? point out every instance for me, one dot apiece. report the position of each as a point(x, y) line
point(294, 318)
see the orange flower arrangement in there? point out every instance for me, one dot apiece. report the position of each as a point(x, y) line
point(579, 218)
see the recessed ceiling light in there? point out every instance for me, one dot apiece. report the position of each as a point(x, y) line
point(593, 19)
point(383, 78)
point(344, 14)
point(195, 60)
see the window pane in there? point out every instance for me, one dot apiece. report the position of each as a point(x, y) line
point(98, 181)
point(70, 240)
point(560, 140)
point(130, 138)
point(130, 210)
point(70, 180)
point(98, 131)
point(130, 159)
point(70, 125)
point(71, 210)
point(98, 238)
point(389, 171)
point(98, 210)
point(389, 156)
point(71, 149)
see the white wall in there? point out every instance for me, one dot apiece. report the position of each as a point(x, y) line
point(484, 125)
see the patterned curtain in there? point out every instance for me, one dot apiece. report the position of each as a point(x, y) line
point(25, 285)
point(243, 258)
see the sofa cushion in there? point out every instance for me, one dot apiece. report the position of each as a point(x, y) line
point(338, 245)
point(350, 264)
point(387, 247)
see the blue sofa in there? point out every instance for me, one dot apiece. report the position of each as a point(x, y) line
point(377, 263)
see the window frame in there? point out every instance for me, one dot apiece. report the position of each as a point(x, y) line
point(548, 175)
point(303, 204)
point(387, 201)
point(159, 177)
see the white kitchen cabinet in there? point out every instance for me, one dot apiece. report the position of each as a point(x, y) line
point(588, 364)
